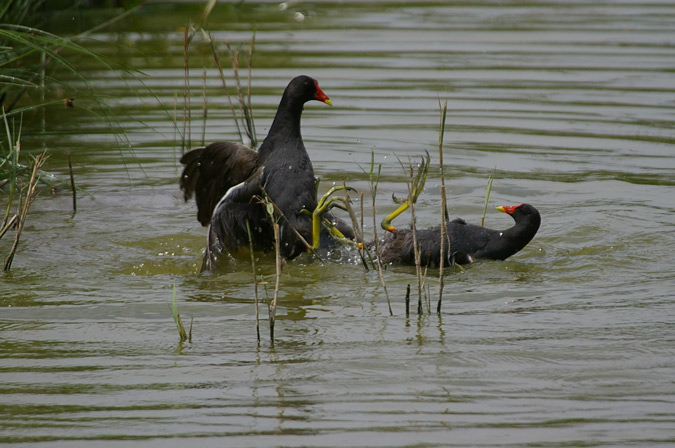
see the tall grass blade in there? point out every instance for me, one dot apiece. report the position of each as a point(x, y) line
point(416, 247)
point(23, 209)
point(373, 181)
point(255, 280)
point(72, 184)
point(487, 196)
point(187, 38)
point(444, 211)
point(216, 58)
point(176, 317)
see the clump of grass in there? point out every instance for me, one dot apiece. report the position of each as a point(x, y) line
point(373, 182)
point(243, 113)
point(21, 189)
point(408, 173)
point(32, 58)
point(244, 105)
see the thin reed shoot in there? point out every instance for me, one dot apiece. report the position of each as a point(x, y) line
point(487, 197)
point(373, 182)
point(444, 210)
point(272, 307)
point(24, 203)
point(255, 280)
point(182, 334)
point(409, 180)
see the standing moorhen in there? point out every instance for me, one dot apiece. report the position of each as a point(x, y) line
point(467, 242)
point(229, 180)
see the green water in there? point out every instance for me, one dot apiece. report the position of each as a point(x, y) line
point(568, 343)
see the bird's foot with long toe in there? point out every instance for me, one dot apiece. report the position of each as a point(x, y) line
point(415, 188)
point(325, 204)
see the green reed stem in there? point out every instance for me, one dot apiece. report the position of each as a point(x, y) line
point(444, 210)
point(373, 182)
point(255, 280)
point(177, 320)
point(487, 196)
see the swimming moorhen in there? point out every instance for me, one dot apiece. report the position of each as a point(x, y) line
point(467, 242)
point(229, 180)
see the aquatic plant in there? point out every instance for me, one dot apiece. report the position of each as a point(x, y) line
point(33, 60)
point(444, 209)
point(182, 334)
point(12, 174)
point(373, 181)
point(410, 183)
point(243, 113)
point(488, 189)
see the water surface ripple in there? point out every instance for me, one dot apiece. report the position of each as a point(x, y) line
point(568, 343)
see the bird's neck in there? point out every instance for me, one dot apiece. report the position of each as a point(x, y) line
point(285, 130)
point(286, 123)
point(519, 235)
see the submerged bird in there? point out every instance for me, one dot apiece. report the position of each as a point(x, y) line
point(231, 181)
point(464, 242)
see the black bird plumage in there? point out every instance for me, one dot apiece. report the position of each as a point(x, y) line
point(467, 242)
point(228, 179)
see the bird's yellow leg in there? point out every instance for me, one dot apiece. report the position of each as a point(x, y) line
point(317, 217)
point(416, 189)
point(328, 225)
point(327, 195)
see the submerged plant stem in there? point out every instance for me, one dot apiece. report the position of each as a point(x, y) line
point(373, 183)
point(277, 283)
point(255, 280)
point(416, 247)
point(444, 211)
point(72, 184)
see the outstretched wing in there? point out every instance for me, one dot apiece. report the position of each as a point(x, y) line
point(211, 171)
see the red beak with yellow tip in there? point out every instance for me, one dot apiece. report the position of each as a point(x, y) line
point(320, 96)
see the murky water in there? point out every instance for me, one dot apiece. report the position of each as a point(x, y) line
point(568, 343)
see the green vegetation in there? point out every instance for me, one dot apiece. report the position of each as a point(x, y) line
point(35, 66)
point(34, 62)
point(487, 196)
point(182, 334)
point(20, 193)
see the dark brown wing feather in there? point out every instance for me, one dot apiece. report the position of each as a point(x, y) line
point(209, 172)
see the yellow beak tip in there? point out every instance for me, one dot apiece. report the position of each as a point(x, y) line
point(501, 209)
point(329, 102)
